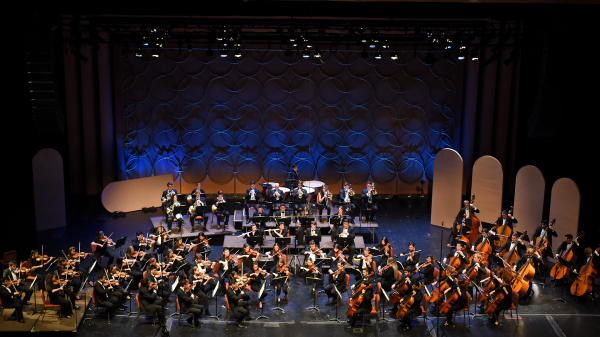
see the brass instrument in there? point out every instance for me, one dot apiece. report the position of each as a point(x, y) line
point(252, 195)
point(351, 192)
point(277, 195)
point(300, 193)
point(165, 199)
point(189, 198)
point(374, 191)
point(171, 208)
point(198, 202)
point(214, 206)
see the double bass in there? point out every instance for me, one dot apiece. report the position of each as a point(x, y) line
point(475, 224)
point(585, 279)
point(504, 232)
point(559, 270)
point(462, 237)
point(512, 256)
point(540, 243)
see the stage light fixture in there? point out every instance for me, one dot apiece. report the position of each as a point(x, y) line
point(474, 54)
point(317, 53)
point(309, 44)
point(159, 42)
point(306, 53)
point(145, 40)
point(138, 52)
point(238, 52)
point(364, 54)
point(156, 52)
point(372, 44)
point(153, 30)
point(223, 52)
point(394, 55)
point(461, 52)
point(209, 52)
point(167, 33)
point(378, 55)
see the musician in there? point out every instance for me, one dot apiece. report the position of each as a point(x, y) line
point(427, 269)
point(409, 280)
point(169, 192)
point(337, 254)
point(11, 299)
point(506, 219)
point(249, 260)
point(310, 269)
point(417, 296)
point(594, 257)
point(102, 244)
point(345, 231)
point(161, 238)
point(348, 200)
point(238, 302)
point(280, 232)
point(282, 213)
point(477, 263)
point(221, 213)
point(106, 297)
point(388, 274)
point(485, 235)
point(566, 245)
point(75, 260)
point(514, 241)
point(132, 265)
point(536, 259)
point(313, 234)
point(367, 293)
point(412, 257)
point(277, 196)
point(257, 275)
point(56, 294)
point(337, 277)
point(161, 279)
point(198, 201)
point(365, 260)
point(66, 284)
point(299, 196)
point(172, 216)
point(277, 254)
point(149, 300)
point(140, 243)
point(293, 177)
point(227, 265)
point(466, 212)
point(280, 276)
point(253, 232)
point(199, 282)
point(260, 212)
point(195, 196)
point(506, 301)
point(302, 225)
point(251, 199)
point(115, 274)
point(385, 249)
point(324, 202)
point(455, 233)
point(461, 255)
point(201, 244)
point(545, 231)
point(460, 303)
point(369, 196)
point(10, 275)
point(186, 302)
point(339, 219)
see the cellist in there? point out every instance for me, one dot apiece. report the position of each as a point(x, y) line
point(536, 260)
point(417, 295)
point(506, 301)
point(506, 220)
point(566, 245)
point(509, 245)
point(460, 303)
point(461, 255)
point(595, 259)
point(545, 231)
point(485, 235)
point(466, 212)
point(477, 263)
point(367, 294)
point(408, 279)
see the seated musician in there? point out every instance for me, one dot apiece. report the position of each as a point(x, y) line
point(250, 257)
point(312, 252)
point(506, 219)
point(282, 213)
point(454, 234)
point(365, 260)
point(544, 231)
point(161, 240)
point(132, 265)
point(592, 256)
point(102, 244)
point(303, 225)
point(11, 299)
point(536, 259)
point(256, 276)
point(176, 263)
point(276, 253)
point(187, 302)
point(465, 213)
point(336, 277)
point(414, 308)
point(407, 279)
point(71, 284)
point(161, 279)
point(477, 263)
point(348, 200)
point(56, 294)
point(253, 232)
point(385, 250)
point(168, 193)
point(412, 257)
point(339, 219)
point(369, 196)
point(427, 269)
point(106, 296)
point(324, 202)
point(173, 214)
point(460, 253)
point(280, 231)
point(488, 235)
point(11, 274)
point(195, 210)
point(201, 287)
point(251, 199)
point(299, 196)
point(140, 243)
point(149, 300)
point(280, 277)
point(367, 293)
point(566, 245)
point(115, 273)
point(346, 232)
point(515, 243)
point(75, 259)
point(313, 234)
point(222, 213)
point(276, 197)
point(310, 269)
point(226, 266)
point(388, 274)
point(201, 244)
point(195, 192)
point(460, 303)
point(239, 302)
point(260, 212)
point(506, 302)
point(337, 254)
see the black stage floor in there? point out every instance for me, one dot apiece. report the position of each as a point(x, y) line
point(398, 220)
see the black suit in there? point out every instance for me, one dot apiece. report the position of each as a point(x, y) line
point(366, 306)
point(370, 215)
point(549, 234)
point(163, 290)
point(338, 281)
point(104, 297)
point(387, 279)
point(186, 304)
point(276, 199)
point(11, 300)
point(8, 274)
point(278, 215)
point(173, 217)
point(222, 213)
point(463, 211)
point(239, 308)
point(166, 192)
point(410, 264)
point(518, 249)
point(351, 247)
point(299, 200)
point(248, 202)
point(150, 302)
point(575, 248)
point(509, 221)
point(202, 214)
point(310, 237)
point(350, 204)
point(414, 308)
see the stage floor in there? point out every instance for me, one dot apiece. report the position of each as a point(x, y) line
point(400, 222)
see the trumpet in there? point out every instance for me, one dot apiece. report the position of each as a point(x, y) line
point(252, 195)
point(300, 193)
point(351, 192)
point(374, 191)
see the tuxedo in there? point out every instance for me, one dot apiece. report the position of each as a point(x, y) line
point(222, 213)
point(150, 302)
point(342, 199)
point(279, 214)
point(239, 308)
point(248, 202)
point(509, 244)
point(370, 215)
point(549, 235)
point(508, 221)
point(490, 237)
point(186, 304)
point(11, 300)
point(462, 257)
point(338, 281)
point(8, 274)
point(105, 298)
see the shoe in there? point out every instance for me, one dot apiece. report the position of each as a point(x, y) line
point(21, 321)
point(247, 221)
point(121, 309)
point(349, 326)
point(240, 325)
point(123, 306)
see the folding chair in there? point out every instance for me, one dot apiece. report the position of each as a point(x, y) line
point(514, 307)
point(137, 301)
point(465, 310)
point(98, 306)
point(49, 306)
point(374, 312)
point(181, 313)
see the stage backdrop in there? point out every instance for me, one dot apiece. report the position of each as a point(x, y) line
point(227, 121)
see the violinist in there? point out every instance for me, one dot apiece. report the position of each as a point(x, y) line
point(506, 301)
point(311, 270)
point(199, 281)
point(221, 212)
point(102, 244)
point(71, 286)
point(544, 231)
point(149, 300)
point(388, 274)
point(515, 242)
point(55, 289)
point(367, 293)
point(11, 299)
point(276, 253)
point(226, 266)
point(385, 250)
point(536, 259)
point(336, 277)
point(239, 302)
point(251, 199)
point(281, 275)
point(566, 245)
point(299, 196)
point(106, 296)
point(176, 262)
point(466, 212)
point(412, 257)
point(337, 254)
point(281, 231)
point(324, 202)
point(120, 278)
point(417, 296)
point(365, 260)
point(186, 302)
point(38, 263)
point(131, 265)
point(200, 244)
point(506, 219)
point(460, 303)
point(594, 257)
point(203, 265)
point(346, 232)
point(313, 234)
point(346, 196)
point(173, 214)
point(257, 275)
point(75, 260)
point(461, 255)
point(161, 237)
point(369, 196)
point(426, 269)
point(260, 212)
point(250, 256)
point(141, 243)
point(161, 280)
point(181, 249)
point(132, 254)
point(12, 274)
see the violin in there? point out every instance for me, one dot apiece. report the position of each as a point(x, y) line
point(43, 258)
point(77, 255)
point(311, 269)
point(340, 255)
point(423, 265)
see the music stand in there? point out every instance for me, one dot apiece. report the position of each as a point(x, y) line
point(200, 211)
point(305, 221)
point(277, 297)
point(283, 241)
point(260, 219)
point(216, 295)
point(382, 318)
point(255, 240)
point(286, 220)
point(316, 283)
point(335, 221)
point(262, 289)
point(289, 183)
point(337, 304)
point(120, 243)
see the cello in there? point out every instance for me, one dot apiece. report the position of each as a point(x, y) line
point(461, 236)
point(403, 307)
point(475, 224)
point(585, 279)
point(444, 307)
point(356, 299)
point(511, 257)
point(520, 282)
point(485, 250)
point(540, 243)
point(488, 286)
point(559, 270)
point(504, 232)
point(494, 302)
point(399, 292)
point(435, 294)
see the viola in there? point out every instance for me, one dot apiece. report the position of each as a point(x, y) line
point(312, 269)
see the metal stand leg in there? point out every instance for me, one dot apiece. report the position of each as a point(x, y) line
point(216, 315)
point(277, 302)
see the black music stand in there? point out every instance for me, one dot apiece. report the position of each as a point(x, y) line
point(260, 219)
point(120, 243)
point(289, 183)
point(335, 221)
point(286, 220)
point(316, 238)
point(283, 241)
point(200, 211)
point(255, 240)
point(305, 221)
point(337, 304)
point(316, 283)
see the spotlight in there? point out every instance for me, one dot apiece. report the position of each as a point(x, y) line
point(209, 52)
point(394, 55)
point(223, 52)
point(138, 52)
point(145, 40)
point(308, 44)
point(237, 53)
point(317, 53)
point(461, 52)
point(429, 35)
point(372, 44)
point(288, 52)
point(430, 59)
point(378, 55)
point(364, 54)
point(474, 54)
point(156, 52)
point(306, 53)
point(159, 42)
point(153, 30)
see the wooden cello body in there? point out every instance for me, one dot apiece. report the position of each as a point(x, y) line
point(435, 294)
point(493, 304)
point(559, 270)
point(485, 250)
point(475, 224)
point(450, 300)
point(356, 300)
point(398, 293)
point(520, 282)
point(488, 286)
point(584, 282)
point(504, 232)
point(403, 308)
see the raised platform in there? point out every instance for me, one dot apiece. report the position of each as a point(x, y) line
point(237, 242)
point(187, 227)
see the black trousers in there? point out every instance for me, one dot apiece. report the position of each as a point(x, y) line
point(414, 309)
point(23, 288)
point(107, 254)
point(223, 216)
point(501, 308)
point(331, 293)
point(111, 304)
point(202, 297)
point(196, 310)
point(256, 289)
point(241, 311)
point(170, 222)
point(358, 315)
point(280, 285)
point(451, 311)
point(321, 207)
point(17, 305)
point(65, 306)
point(247, 208)
point(370, 215)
